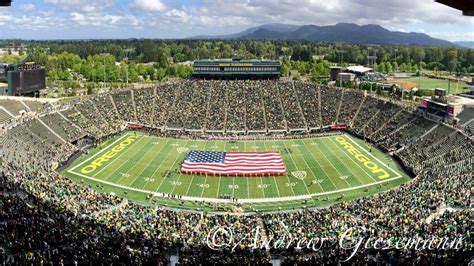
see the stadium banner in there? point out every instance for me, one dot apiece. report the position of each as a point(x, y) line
point(134, 126)
point(339, 127)
point(233, 163)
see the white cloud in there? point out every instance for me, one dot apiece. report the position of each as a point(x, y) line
point(82, 5)
point(104, 21)
point(387, 13)
point(177, 15)
point(27, 7)
point(79, 18)
point(453, 36)
point(5, 19)
point(148, 5)
point(229, 16)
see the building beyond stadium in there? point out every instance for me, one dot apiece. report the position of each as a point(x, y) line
point(236, 68)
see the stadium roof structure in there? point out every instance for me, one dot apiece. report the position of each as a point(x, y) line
point(359, 69)
point(234, 60)
point(466, 6)
point(6, 2)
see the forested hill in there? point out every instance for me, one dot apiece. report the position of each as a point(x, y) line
point(66, 59)
point(341, 32)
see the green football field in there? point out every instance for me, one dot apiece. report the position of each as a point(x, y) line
point(320, 171)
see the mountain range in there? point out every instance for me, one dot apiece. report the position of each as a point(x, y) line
point(465, 44)
point(341, 32)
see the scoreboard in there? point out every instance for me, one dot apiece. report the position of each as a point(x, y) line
point(3, 76)
point(25, 79)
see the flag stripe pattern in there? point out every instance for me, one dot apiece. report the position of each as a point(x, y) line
point(233, 163)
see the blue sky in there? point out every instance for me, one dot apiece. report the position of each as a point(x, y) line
point(85, 19)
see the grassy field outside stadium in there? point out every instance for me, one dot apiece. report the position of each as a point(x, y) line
point(425, 83)
point(320, 171)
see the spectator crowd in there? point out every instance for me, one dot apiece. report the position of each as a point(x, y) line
point(46, 218)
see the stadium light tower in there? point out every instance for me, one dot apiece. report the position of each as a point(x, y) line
point(104, 55)
point(341, 54)
point(373, 58)
point(127, 58)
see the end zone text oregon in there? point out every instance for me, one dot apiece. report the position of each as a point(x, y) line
point(108, 155)
point(369, 164)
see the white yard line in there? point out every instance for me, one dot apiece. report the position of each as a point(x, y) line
point(344, 164)
point(233, 187)
point(274, 179)
point(314, 175)
point(219, 187)
point(164, 178)
point(287, 178)
point(148, 164)
point(292, 160)
point(205, 182)
point(276, 185)
point(192, 180)
point(248, 187)
point(335, 168)
point(254, 200)
point(141, 172)
point(190, 183)
point(260, 177)
point(322, 168)
point(179, 177)
point(156, 169)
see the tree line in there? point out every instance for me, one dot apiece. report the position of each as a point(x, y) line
point(157, 59)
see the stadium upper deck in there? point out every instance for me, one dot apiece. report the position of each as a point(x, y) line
point(236, 68)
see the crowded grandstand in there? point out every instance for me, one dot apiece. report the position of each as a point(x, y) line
point(49, 218)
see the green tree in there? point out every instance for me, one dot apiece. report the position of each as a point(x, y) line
point(285, 70)
point(388, 67)
point(403, 67)
point(395, 66)
point(452, 65)
point(381, 67)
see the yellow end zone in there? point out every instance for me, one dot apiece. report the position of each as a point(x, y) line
point(107, 154)
point(365, 160)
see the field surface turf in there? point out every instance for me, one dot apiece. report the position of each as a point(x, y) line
point(320, 171)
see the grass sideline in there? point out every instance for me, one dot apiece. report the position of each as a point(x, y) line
point(320, 172)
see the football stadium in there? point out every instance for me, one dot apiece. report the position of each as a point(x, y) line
point(280, 144)
point(157, 163)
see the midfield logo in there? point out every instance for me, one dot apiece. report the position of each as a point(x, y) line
point(299, 174)
point(182, 149)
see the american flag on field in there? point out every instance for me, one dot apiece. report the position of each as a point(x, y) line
point(233, 163)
